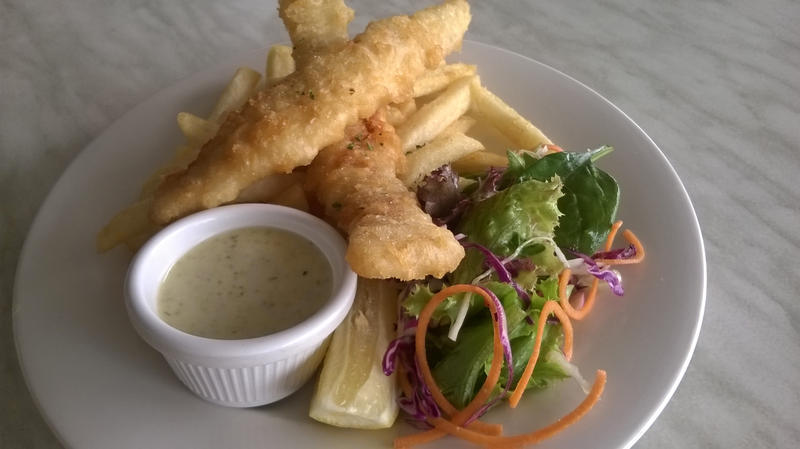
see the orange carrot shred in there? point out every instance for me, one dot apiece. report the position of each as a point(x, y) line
point(612, 234)
point(422, 361)
point(478, 426)
point(548, 308)
point(633, 240)
point(460, 416)
point(488, 434)
point(533, 437)
point(552, 148)
point(588, 302)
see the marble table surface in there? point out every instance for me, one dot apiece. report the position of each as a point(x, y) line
point(716, 84)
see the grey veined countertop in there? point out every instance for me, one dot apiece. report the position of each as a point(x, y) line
point(715, 84)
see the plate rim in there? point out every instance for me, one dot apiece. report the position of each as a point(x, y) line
point(91, 148)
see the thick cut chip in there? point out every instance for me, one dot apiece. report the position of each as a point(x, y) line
point(441, 77)
point(432, 118)
point(479, 162)
point(462, 125)
point(486, 106)
point(127, 223)
point(196, 130)
point(440, 151)
point(397, 113)
point(280, 63)
point(237, 92)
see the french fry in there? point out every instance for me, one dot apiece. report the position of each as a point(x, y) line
point(131, 221)
point(132, 225)
point(462, 125)
point(239, 89)
point(264, 190)
point(397, 113)
point(478, 162)
point(294, 197)
point(440, 77)
point(432, 118)
point(182, 158)
point(441, 150)
point(486, 106)
point(279, 63)
point(138, 240)
point(196, 130)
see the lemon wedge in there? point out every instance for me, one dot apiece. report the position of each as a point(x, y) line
point(352, 391)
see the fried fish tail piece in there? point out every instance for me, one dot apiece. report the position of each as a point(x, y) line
point(286, 125)
point(389, 235)
point(315, 26)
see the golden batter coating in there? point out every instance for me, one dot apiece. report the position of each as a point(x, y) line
point(315, 26)
point(389, 235)
point(285, 126)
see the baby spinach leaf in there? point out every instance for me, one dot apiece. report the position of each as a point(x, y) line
point(591, 196)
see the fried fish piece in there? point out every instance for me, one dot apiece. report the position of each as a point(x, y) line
point(389, 235)
point(286, 125)
point(315, 26)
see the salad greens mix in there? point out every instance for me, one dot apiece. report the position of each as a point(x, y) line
point(517, 225)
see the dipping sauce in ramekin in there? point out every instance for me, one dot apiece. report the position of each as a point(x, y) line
point(278, 350)
point(245, 283)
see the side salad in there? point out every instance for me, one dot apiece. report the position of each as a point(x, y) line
point(538, 236)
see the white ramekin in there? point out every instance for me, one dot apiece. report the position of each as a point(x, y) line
point(248, 372)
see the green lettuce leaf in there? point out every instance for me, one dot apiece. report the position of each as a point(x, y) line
point(545, 372)
point(460, 367)
point(591, 196)
point(445, 312)
point(506, 220)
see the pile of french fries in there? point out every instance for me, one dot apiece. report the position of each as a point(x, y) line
point(451, 119)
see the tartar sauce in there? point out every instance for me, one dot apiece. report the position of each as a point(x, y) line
point(245, 283)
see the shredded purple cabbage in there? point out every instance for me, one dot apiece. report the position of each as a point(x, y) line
point(502, 273)
point(620, 253)
point(401, 350)
point(410, 325)
point(520, 264)
point(389, 361)
point(604, 274)
point(400, 346)
point(422, 405)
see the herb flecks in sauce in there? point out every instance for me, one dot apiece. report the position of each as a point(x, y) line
point(245, 283)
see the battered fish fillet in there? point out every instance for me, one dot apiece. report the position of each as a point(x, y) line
point(389, 235)
point(285, 126)
point(315, 26)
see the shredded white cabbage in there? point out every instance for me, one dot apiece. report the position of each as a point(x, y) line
point(455, 326)
point(558, 358)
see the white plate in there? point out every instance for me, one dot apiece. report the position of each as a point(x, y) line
point(99, 386)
